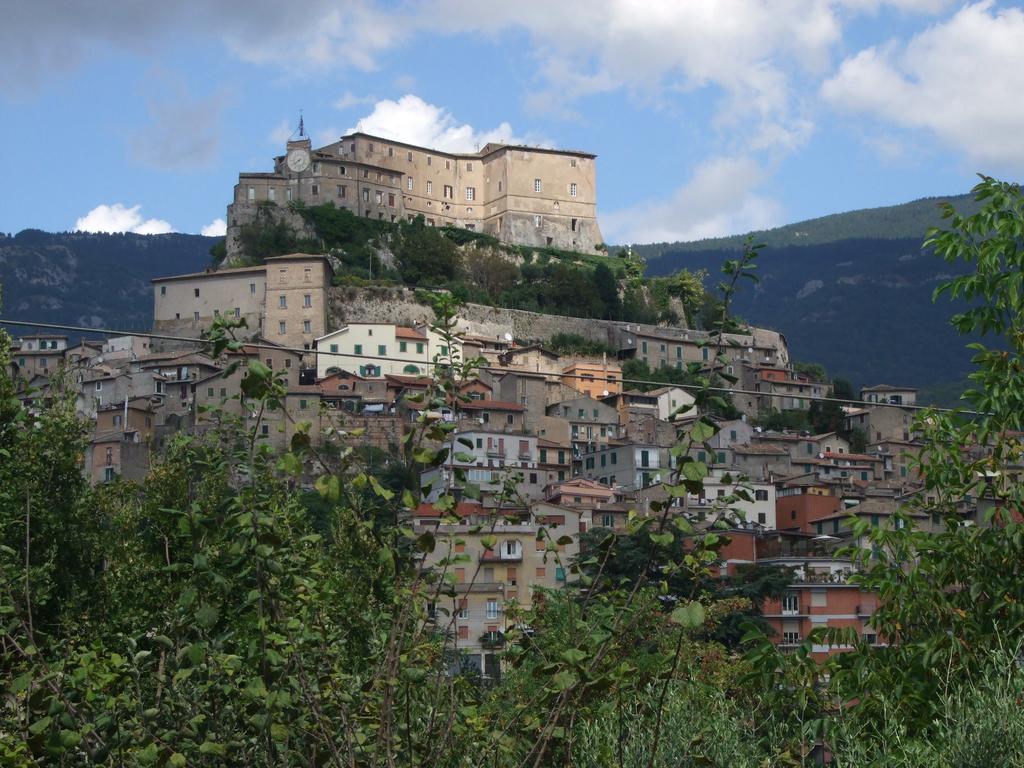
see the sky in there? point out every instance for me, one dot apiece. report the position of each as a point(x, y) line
point(709, 117)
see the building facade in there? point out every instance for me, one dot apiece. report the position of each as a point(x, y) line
point(522, 195)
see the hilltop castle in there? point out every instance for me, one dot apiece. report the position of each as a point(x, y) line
point(521, 195)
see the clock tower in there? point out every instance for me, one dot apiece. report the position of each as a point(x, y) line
point(297, 155)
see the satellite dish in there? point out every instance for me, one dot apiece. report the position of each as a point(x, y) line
point(508, 337)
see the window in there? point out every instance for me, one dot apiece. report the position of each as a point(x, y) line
point(282, 302)
point(195, 316)
point(402, 346)
point(108, 474)
point(471, 193)
point(408, 183)
point(195, 292)
point(645, 460)
point(282, 327)
point(572, 189)
point(449, 192)
point(342, 191)
point(369, 146)
point(492, 609)
point(316, 168)
point(366, 195)
point(382, 349)
point(419, 347)
point(307, 326)
point(430, 187)
point(209, 391)
point(378, 197)
point(251, 194)
point(469, 166)
point(316, 189)
point(391, 151)
point(307, 300)
point(537, 221)
point(510, 548)
point(761, 495)
point(391, 199)
point(790, 638)
point(357, 349)
point(341, 169)
point(791, 603)
point(288, 194)
point(536, 185)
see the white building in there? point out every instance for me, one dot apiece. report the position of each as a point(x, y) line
point(374, 350)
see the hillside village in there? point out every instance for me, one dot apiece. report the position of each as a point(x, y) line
point(584, 445)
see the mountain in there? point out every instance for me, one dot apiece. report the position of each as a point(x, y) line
point(91, 279)
point(862, 307)
point(895, 222)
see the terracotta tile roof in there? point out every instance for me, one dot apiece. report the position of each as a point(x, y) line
point(404, 332)
point(462, 509)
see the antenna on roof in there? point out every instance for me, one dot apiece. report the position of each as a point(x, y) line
point(302, 125)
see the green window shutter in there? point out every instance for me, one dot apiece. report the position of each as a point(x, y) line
point(358, 349)
point(382, 349)
point(334, 348)
point(402, 346)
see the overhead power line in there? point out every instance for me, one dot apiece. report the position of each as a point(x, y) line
point(489, 369)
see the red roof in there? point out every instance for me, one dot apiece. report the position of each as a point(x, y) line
point(462, 509)
point(409, 381)
point(403, 332)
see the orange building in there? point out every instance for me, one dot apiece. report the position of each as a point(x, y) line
point(595, 380)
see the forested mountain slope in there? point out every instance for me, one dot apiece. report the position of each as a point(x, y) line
point(97, 280)
point(862, 307)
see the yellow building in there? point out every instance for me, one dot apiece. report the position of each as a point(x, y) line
point(595, 380)
point(522, 195)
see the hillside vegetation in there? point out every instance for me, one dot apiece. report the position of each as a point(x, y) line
point(97, 280)
point(861, 307)
point(476, 267)
point(892, 222)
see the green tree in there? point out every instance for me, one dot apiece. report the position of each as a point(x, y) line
point(608, 292)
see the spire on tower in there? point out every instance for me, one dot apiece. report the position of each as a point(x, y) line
point(302, 126)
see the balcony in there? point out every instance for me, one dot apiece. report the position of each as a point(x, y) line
point(496, 452)
point(488, 556)
point(493, 587)
point(492, 641)
point(800, 576)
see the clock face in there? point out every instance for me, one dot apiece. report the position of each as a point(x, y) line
point(298, 160)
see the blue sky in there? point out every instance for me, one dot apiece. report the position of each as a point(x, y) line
point(708, 117)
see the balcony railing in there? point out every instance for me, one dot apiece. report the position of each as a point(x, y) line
point(488, 556)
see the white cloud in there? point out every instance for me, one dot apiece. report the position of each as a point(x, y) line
point(118, 218)
point(216, 228)
point(719, 199)
point(960, 80)
point(414, 121)
point(281, 132)
point(347, 100)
